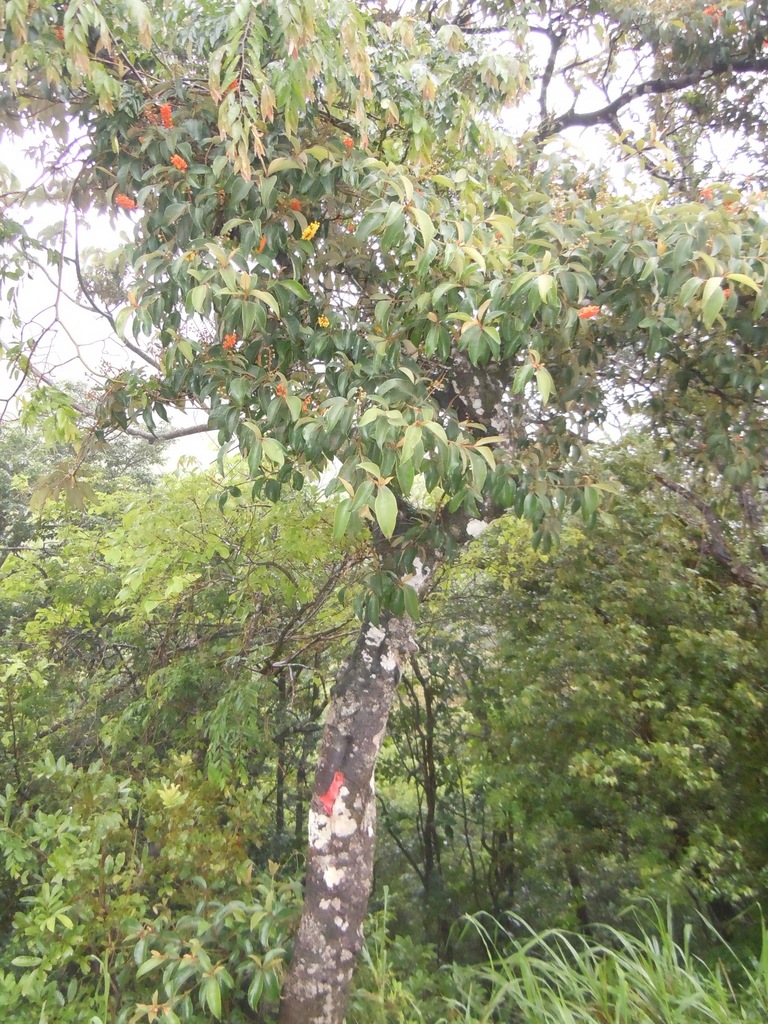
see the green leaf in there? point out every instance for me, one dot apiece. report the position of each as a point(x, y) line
point(411, 439)
point(122, 319)
point(294, 404)
point(320, 152)
point(437, 429)
point(295, 287)
point(443, 289)
point(545, 384)
point(590, 500)
point(411, 600)
point(341, 519)
point(150, 965)
point(522, 377)
point(546, 285)
point(689, 290)
point(240, 189)
point(197, 297)
point(743, 279)
point(406, 474)
point(211, 995)
point(425, 225)
point(370, 415)
point(362, 495)
point(268, 300)
point(369, 225)
point(712, 300)
point(255, 989)
point(240, 389)
point(248, 311)
point(273, 450)
point(385, 509)
point(336, 407)
point(185, 347)
point(284, 163)
point(173, 212)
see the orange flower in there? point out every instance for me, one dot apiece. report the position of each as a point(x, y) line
point(712, 11)
point(166, 115)
point(727, 292)
point(707, 193)
point(59, 33)
point(587, 312)
point(230, 340)
point(281, 390)
point(125, 201)
point(179, 162)
point(295, 204)
point(262, 243)
point(349, 143)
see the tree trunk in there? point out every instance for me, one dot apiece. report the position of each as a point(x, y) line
point(342, 827)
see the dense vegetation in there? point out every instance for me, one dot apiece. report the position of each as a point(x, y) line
point(595, 739)
point(409, 264)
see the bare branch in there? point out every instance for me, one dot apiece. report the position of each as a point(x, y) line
point(556, 41)
point(168, 435)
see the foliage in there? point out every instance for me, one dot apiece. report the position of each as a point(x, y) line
point(396, 980)
point(116, 634)
point(621, 978)
point(160, 836)
point(584, 728)
point(646, 973)
point(353, 258)
point(115, 874)
point(160, 703)
point(340, 257)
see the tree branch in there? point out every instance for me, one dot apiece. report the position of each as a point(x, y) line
point(654, 87)
point(168, 435)
point(716, 546)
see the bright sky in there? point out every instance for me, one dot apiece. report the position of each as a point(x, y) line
point(73, 344)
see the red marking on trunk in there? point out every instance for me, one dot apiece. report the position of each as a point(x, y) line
point(328, 799)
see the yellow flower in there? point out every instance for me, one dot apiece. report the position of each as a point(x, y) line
point(310, 231)
point(323, 321)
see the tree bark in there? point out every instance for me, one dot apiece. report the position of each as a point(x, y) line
point(342, 826)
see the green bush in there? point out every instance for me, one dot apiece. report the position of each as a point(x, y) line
point(137, 901)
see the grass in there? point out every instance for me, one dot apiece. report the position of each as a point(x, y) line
point(557, 977)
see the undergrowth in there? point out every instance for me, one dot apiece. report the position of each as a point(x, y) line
point(558, 977)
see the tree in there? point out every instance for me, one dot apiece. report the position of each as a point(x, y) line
point(160, 703)
point(612, 701)
point(344, 254)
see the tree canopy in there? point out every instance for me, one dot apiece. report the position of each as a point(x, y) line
point(342, 252)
